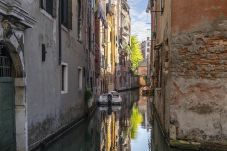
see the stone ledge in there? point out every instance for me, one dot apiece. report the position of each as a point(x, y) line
point(17, 12)
point(20, 82)
point(205, 146)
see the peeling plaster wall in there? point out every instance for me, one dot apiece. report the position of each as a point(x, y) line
point(198, 73)
point(199, 85)
point(191, 95)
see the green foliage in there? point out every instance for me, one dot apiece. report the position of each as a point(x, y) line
point(136, 54)
point(136, 120)
point(87, 95)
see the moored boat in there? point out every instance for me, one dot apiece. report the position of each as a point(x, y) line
point(111, 98)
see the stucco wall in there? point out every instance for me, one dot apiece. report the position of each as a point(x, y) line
point(48, 109)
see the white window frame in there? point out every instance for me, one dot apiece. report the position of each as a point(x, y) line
point(80, 78)
point(65, 78)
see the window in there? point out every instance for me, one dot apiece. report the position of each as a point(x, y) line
point(49, 6)
point(80, 78)
point(162, 6)
point(44, 52)
point(64, 78)
point(79, 19)
point(66, 13)
point(103, 61)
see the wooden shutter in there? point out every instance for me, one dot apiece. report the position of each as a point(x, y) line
point(162, 5)
point(70, 14)
point(54, 8)
point(41, 4)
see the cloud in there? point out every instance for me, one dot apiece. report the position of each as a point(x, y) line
point(140, 19)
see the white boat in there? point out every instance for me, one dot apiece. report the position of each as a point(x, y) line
point(111, 98)
point(103, 99)
point(114, 108)
point(116, 98)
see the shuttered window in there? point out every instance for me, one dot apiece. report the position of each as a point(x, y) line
point(49, 6)
point(162, 6)
point(79, 19)
point(66, 13)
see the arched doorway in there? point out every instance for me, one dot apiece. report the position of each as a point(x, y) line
point(7, 102)
point(12, 90)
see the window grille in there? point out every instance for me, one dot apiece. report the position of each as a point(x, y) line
point(5, 64)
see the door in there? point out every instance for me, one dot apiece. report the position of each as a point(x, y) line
point(7, 105)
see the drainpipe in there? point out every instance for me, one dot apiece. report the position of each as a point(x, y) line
point(59, 34)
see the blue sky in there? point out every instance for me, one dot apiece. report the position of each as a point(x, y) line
point(140, 19)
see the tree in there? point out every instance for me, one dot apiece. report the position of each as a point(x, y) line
point(135, 120)
point(136, 55)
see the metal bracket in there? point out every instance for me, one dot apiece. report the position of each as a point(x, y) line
point(157, 11)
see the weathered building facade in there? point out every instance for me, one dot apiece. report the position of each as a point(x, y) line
point(124, 38)
point(46, 57)
point(145, 48)
point(189, 70)
point(100, 46)
point(113, 28)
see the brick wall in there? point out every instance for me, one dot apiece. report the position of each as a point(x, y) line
point(198, 84)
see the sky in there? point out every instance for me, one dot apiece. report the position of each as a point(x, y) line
point(140, 19)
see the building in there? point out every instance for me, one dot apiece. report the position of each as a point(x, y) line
point(112, 44)
point(142, 73)
point(125, 80)
point(188, 62)
point(46, 54)
point(145, 48)
point(105, 45)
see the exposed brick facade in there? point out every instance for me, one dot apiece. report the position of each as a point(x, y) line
point(190, 70)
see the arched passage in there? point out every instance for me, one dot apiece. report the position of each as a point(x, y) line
point(12, 94)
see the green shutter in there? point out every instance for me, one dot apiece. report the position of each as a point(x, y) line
point(70, 14)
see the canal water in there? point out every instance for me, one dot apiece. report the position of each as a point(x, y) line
point(118, 128)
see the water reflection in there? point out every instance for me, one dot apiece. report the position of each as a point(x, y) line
point(142, 141)
point(117, 128)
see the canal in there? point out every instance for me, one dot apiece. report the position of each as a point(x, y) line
point(128, 127)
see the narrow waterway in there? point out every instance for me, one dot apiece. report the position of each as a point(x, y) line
point(118, 128)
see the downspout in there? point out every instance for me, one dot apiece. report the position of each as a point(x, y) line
point(59, 34)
